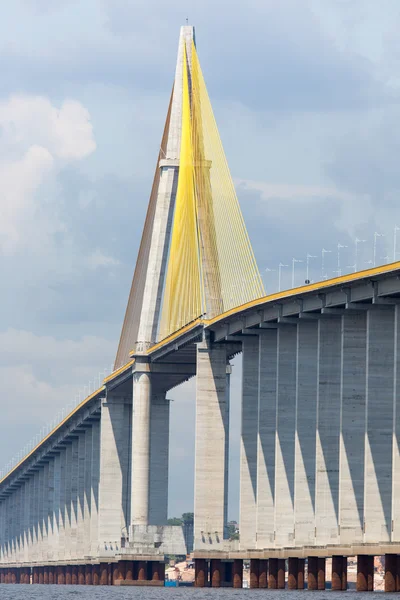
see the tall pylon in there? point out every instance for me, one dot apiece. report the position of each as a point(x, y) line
point(195, 258)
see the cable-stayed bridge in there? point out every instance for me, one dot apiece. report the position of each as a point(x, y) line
point(320, 459)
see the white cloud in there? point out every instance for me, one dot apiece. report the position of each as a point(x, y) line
point(272, 191)
point(41, 375)
point(295, 201)
point(63, 359)
point(98, 259)
point(37, 138)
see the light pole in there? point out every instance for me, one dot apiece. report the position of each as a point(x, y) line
point(281, 265)
point(294, 261)
point(323, 276)
point(339, 247)
point(356, 244)
point(396, 229)
point(267, 270)
point(376, 235)
point(354, 267)
point(308, 265)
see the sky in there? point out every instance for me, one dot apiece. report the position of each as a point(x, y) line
point(306, 95)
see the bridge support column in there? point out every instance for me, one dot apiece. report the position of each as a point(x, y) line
point(88, 575)
point(293, 573)
point(398, 574)
point(96, 575)
point(249, 442)
point(61, 575)
point(159, 451)
point(211, 438)
point(216, 572)
point(263, 574)
point(68, 575)
point(35, 575)
point(74, 575)
point(158, 571)
point(312, 577)
point(114, 449)
point(273, 574)
point(51, 575)
point(281, 573)
point(142, 570)
point(300, 575)
point(41, 575)
point(254, 573)
point(103, 574)
point(339, 573)
point(81, 574)
point(201, 574)
point(141, 448)
point(129, 570)
point(27, 579)
point(46, 575)
point(365, 573)
point(237, 573)
point(390, 572)
point(321, 573)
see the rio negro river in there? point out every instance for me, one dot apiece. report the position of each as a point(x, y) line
point(59, 592)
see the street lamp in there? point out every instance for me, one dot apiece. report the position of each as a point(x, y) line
point(323, 276)
point(294, 261)
point(354, 267)
point(281, 265)
point(376, 235)
point(308, 265)
point(356, 244)
point(267, 270)
point(339, 247)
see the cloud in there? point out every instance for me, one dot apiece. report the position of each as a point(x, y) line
point(286, 191)
point(98, 259)
point(37, 138)
point(43, 374)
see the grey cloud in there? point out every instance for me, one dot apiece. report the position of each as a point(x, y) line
point(265, 55)
point(366, 159)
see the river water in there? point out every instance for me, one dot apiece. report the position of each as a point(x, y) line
point(59, 592)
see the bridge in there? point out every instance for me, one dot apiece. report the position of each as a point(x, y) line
point(320, 458)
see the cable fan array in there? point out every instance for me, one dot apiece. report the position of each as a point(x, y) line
point(211, 265)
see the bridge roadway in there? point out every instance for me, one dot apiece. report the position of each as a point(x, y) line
point(320, 461)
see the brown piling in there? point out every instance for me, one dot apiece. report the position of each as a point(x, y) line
point(281, 573)
point(273, 574)
point(390, 572)
point(263, 574)
point(103, 574)
point(321, 573)
point(293, 573)
point(254, 573)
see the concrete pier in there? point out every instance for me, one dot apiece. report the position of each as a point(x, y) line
point(390, 572)
point(237, 573)
point(141, 448)
point(254, 573)
point(365, 573)
point(273, 574)
point(211, 432)
point(339, 573)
